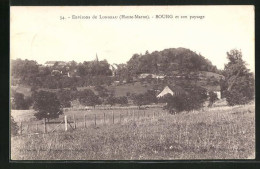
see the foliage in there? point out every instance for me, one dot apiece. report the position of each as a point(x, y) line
point(111, 100)
point(26, 70)
point(88, 98)
point(122, 100)
point(167, 61)
point(239, 81)
point(102, 91)
point(14, 127)
point(193, 99)
point(212, 98)
point(46, 105)
point(144, 99)
point(19, 102)
point(65, 97)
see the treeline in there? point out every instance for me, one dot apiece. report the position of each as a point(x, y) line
point(87, 97)
point(168, 61)
point(30, 73)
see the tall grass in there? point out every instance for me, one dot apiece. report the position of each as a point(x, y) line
point(217, 133)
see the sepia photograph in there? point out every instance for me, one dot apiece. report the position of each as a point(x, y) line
point(132, 82)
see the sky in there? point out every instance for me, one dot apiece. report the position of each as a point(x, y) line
point(39, 33)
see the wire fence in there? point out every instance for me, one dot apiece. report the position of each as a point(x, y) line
point(69, 122)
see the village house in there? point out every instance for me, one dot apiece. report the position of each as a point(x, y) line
point(113, 69)
point(52, 63)
point(154, 76)
point(174, 90)
point(215, 89)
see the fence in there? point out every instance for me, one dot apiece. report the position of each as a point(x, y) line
point(87, 120)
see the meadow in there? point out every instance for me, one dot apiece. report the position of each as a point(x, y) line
point(212, 133)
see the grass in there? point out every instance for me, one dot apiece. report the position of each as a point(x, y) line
point(215, 133)
point(136, 87)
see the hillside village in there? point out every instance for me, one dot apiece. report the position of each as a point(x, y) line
point(175, 93)
point(121, 80)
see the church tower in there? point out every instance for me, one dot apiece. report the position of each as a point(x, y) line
point(96, 58)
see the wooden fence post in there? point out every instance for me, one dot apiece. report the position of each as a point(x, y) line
point(21, 128)
point(85, 121)
point(104, 118)
point(45, 127)
point(66, 123)
point(95, 120)
point(74, 121)
point(134, 115)
point(27, 128)
point(113, 118)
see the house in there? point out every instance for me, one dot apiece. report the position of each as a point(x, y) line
point(215, 89)
point(171, 89)
point(56, 73)
point(113, 69)
point(72, 73)
point(52, 63)
point(154, 76)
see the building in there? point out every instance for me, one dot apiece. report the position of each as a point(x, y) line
point(154, 76)
point(171, 89)
point(52, 63)
point(113, 69)
point(215, 89)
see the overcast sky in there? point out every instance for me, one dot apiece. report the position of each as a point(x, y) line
point(37, 33)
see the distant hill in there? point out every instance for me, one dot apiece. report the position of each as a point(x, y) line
point(168, 61)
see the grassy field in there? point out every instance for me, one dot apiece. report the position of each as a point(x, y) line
point(216, 133)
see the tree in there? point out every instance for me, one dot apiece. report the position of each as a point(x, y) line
point(65, 97)
point(88, 98)
point(238, 79)
point(102, 92)
point(122, 100)
point(175, 103)
point(47, 105)
point(212, 98)
point(192, 99)
point(145, 98)
point(111, 100)
point(26, 70)
point(19, 102)
point(140, 100)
